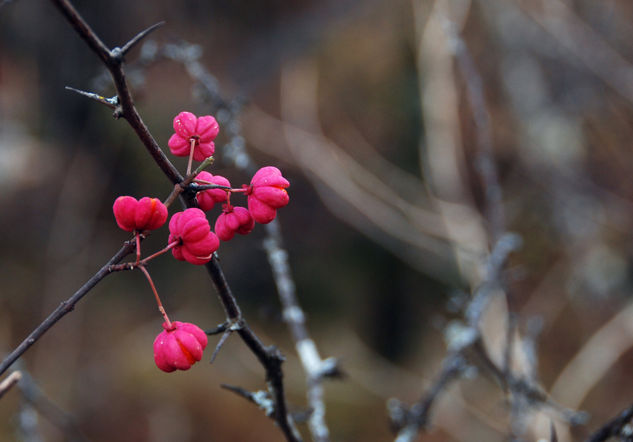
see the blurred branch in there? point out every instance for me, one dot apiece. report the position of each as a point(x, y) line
point(441, 153)
point(62, 420)
point(615, 427)
point(583, 43)
point(9, 382)
point(315, 368)
point(407, 422)
point(484, 161)
point(585, 370)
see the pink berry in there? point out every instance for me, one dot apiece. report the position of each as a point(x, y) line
point(208, 198)
point(266, 194)
point(233, 220)
point(196, 240)
point(179, 347)
point(202, 130)
point(145, 214)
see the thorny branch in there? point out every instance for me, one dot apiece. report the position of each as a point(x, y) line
point(269, 356)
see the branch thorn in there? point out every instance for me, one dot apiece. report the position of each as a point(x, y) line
point(130, 44)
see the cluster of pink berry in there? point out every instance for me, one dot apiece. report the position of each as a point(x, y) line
point(191, 239)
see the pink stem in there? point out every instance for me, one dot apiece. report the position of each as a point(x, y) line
point(160, 304)
point(160, 252)
point(138, 247)
point(193, 145)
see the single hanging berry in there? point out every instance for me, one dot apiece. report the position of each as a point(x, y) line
point(208, 198)
point(196, 240)
point(179, 346)
point(201, 130)
point(145, 214)
point(232, 220)
point(266, 194)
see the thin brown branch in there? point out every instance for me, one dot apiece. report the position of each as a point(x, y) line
point(65, 307)
point(113, 60)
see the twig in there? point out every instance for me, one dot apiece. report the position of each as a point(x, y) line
point(260, 398)
point(315, 368)
point(55, 415)
point(485, 162)
point(614, 427)
point(113, 61)
point(553, 437)
point(65, 307)
point(407, 422)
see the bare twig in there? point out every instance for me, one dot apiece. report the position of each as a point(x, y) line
point(553, 437)
point(53, 413)
point(407, 422)
point(260, 398)
point(65, 307)
point(315, 368)
point(614, 427)
point(485, 161)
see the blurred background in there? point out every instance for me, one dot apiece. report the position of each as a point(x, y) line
point(414, 134)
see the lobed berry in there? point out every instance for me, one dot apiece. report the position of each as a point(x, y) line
point(188, 127)
point(145, 214)
point(196, 240)
point(179, 346)
point(208, 198)
point(232, 220)
point(266, 194)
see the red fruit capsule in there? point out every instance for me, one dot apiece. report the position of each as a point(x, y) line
point(208, 198)
point(179, 346)
point(232, 220)
point(188, 127)
point(266, 194)
point(196, 240)
point(145, 214)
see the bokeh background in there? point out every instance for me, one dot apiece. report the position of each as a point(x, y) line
point(365, 108)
